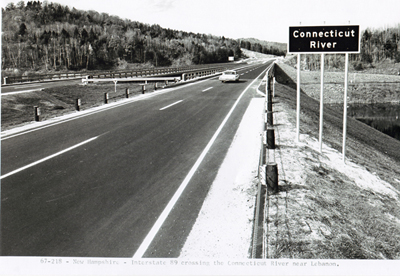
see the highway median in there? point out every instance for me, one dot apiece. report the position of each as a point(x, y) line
point(19, 109)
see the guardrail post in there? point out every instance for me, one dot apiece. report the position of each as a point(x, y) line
point(269, 93)
point(271, 176)
point(155, 86)
point(270, 118)
point(115, 85)
point(106, 98)
point(143, 88)
point(37, 113)
point(127, 93)
point(269, 105)
point(78, 104)
point(270, 138)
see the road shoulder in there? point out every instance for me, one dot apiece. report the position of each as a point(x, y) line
point(224, 226)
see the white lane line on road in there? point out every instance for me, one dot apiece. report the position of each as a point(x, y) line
point(26, 86)
point(18, 131)
point(165, 107)
point(161, 219)
point(207, 89)
point(20, 92)
point(47, 158)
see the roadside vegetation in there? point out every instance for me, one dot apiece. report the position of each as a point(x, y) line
point(263, 47)
point(325, 209)
point(45, 37)
point(364, 87)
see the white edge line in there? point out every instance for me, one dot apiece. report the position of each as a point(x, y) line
point(26, 85)
point(73, 116)
point(161, 219)
point(207, 89)
point(21, 91)
point(47, 158)
point(261, 93)
point(165, 107)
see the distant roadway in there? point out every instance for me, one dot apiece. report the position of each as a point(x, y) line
point(35, 86)
point(98, 185)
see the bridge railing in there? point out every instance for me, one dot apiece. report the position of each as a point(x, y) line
point(114, 74)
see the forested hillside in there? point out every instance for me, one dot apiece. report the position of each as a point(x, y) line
point(382, 44)
point(265, 47)
point(40, 36)
point(43, 36)
point(47, 36)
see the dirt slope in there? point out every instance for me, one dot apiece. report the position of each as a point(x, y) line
point(326, 209)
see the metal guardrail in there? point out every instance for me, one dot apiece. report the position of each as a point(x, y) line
point(115, 74)
point(140, 79)
point(188, 75)
point(39, 78)
point(201, 73)
point(265, 176)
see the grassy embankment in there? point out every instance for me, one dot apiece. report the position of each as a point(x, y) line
point(373, 85)
point(18, 109)
point(325, 209)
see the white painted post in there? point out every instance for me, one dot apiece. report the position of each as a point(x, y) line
point(37, 113)
point(346, 73)
point(321, 104)
point(273, 89)
point(298, 100)
point(115, 85)
point(78, 104)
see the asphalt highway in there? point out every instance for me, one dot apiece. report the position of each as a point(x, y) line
point(35, 86)
point(126, 181)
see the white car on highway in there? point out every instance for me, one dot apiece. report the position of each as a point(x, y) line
point(229, 75)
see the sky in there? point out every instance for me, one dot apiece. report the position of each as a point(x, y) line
point(262, 19)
